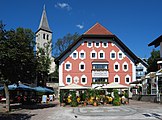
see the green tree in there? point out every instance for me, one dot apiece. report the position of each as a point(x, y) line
point(43, 63)
point(17, 62)
point(63, 43)
point(152, 61)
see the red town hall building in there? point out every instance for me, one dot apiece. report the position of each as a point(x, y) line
point(97, 57)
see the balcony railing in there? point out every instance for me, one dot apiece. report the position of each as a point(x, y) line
point(100, 73)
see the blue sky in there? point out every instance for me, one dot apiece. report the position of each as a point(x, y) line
point(135, 22)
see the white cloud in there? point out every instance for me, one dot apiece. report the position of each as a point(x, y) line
point(63, 6)
point(80, 26)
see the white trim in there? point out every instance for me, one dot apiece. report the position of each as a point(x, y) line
point(83, 76)
point(117, 76)
point(116, 63)
point(68, 76)
point(90, 45)
point(82, 63)
point(82, 51)
point(125, 63)
point(70, 68)
point(76, 79)
point(98, 43)
point(61, 74)
point(133, 72)
point(101, 51)
point(111, 55)
point(76, 55)
point(93, 51)
point(127, 76)
point(103, 44)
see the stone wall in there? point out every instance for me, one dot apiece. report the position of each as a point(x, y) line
point(147, 98)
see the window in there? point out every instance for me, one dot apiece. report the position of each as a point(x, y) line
point(113, 55)
point(68, 79)
point(89, 44)
point(75, 55)
point(116, 79)
point(101, 54)
point(47, 37)
point(68, 66)
point(82, 66)
point(97, 44)
point(82, 55)
point(83, 79)
point(44, 36)
point(116, 66)
point(104, 44)
point(93, 54)
point(125, 66)
point(127, 79)
point(120, 56)
point(100, 79)
point(100, 66)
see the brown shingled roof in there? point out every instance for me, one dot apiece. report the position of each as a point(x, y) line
point(98, 29)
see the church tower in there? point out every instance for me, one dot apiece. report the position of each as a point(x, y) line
point(44, 33)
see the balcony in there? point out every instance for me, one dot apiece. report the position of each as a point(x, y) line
point(100, 73)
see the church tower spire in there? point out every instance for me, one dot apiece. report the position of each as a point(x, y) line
point(44, 34)
point(44, 22)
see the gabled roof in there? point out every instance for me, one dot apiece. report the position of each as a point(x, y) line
point(156, 42)
point(100, 36)
point(44, 22)
point(98, 29)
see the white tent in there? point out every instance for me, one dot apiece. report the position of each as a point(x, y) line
point(115, 85)
point(74, 87)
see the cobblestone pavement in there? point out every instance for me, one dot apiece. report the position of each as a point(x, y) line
point(136, 110)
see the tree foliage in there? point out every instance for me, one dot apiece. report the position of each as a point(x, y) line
point(17, 61)
point(63, 43)
point(152, 61)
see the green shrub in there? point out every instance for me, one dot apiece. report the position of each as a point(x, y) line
point(74, 102)
point(116, 101)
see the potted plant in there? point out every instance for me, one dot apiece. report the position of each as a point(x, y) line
point(116, 101)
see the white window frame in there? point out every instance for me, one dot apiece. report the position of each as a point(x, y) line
point(101, 51)
point(83, 76)
point(76, 55)
point(68, 76)
point(96, 44)
point(93, 51)
point(90, 45)
point(70, 66)
point(117, 76)
point(119, 55)
point(82, 63)
point(111, 54)
point(127, 76)
point(104, 45)
point(82, 51)
point(125, 63)
point(116, 63)
point(76, 79)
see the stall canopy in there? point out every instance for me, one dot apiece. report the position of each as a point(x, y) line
point(74, 87)
point(17, 87)
point(115, 86)
point(43, 89)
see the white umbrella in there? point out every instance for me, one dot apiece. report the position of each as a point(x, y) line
point(74, 87)
point(115, 85)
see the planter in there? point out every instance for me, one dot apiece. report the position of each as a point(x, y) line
point(62, 104)
point(95, 104)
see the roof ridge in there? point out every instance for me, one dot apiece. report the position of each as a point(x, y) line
point(98, 29)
